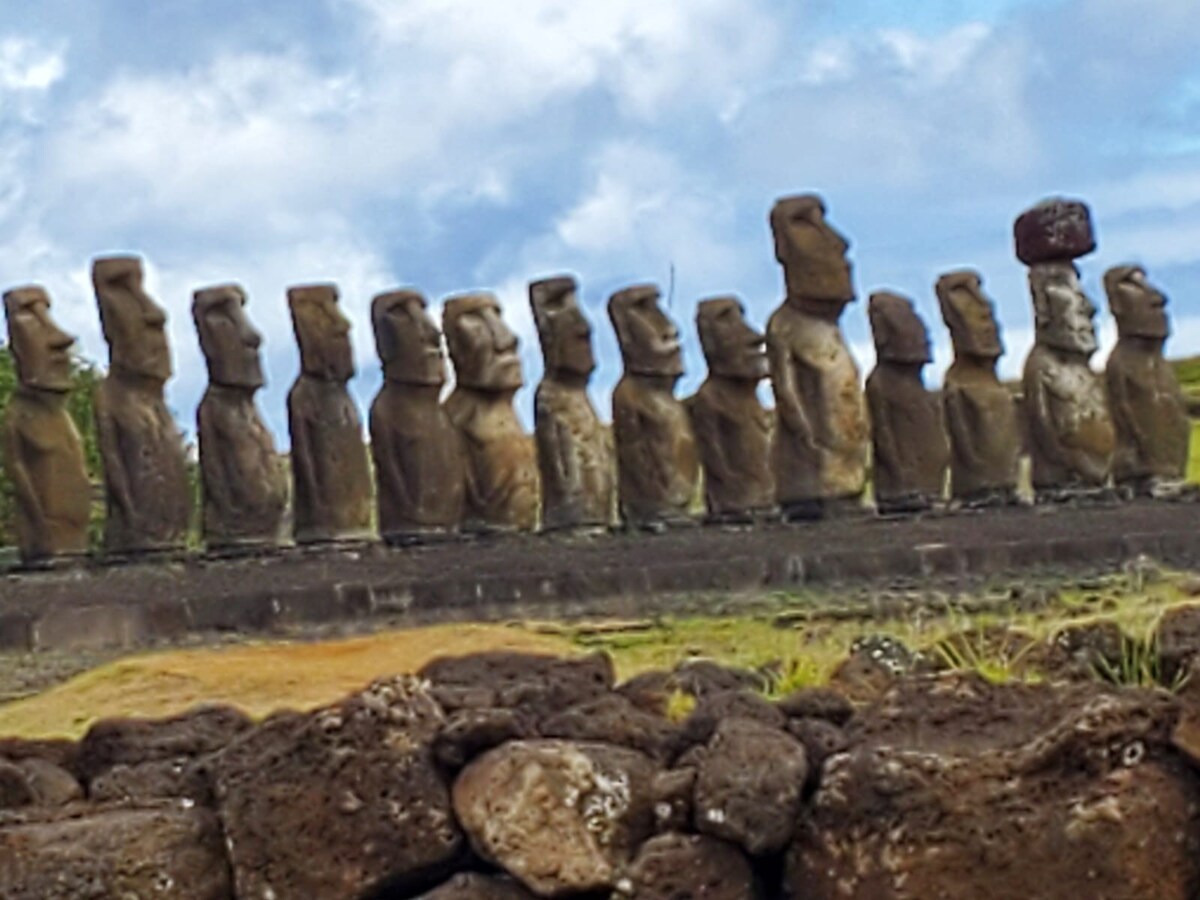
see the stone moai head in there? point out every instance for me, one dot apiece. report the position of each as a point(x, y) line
point(1063, 314)
point(731, 347)
point(900, 335)
point(41, 350)
point(407, 340)
point(1056, 230)
point(970, 315)
point(229, 342)
point(134, 326)
point(564, 332)
point(649, 340)
point(322, 332)
point(812, 252)
point(1139, 308)
point(482, 347)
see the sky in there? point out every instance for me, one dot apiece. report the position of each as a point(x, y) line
point(452, 145)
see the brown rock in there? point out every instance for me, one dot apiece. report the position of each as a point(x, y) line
point(821, 439)
point(732, 429)
point(713, 708)
point(911, 447)
point(83, 852)
point(61, 752)
point(615, 720)
point(15, 789)
point(473, 886)
point(700, 677)
point(502, 475)
point(183, 777)
point(43, 453)
point(817, 703)
point(674, 866)
point(1071, 431)
point(52, 785)
point(244, 490)
point(821, 739)
point(1149, 414)
point(574, 456)
point(560, 817)
point(980, 412)
point(750, 786)
point(341, 803)
point(149, 504)
point(674, 790)
point(1056, 230)
point(420, 470)
point(1177, 639)
point(657, 463)
point(330, 471)
point(470, 732)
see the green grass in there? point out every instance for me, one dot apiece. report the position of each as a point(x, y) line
point(1194, 458)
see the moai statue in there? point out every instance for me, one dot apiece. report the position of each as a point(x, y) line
point(1146, 402)
point(574, 458)
point(657, 464)
point(501, 463)
point(145, 475)
point(980, 412)
point(911, 448)
point(732, 429)
point(245, 491)
point(331, 475)
point(821, 437)
point(420, 472)
point(1070, 429)
point(43, 453)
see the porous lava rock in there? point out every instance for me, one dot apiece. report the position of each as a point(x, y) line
point(821, 739)
point(678, 866)
point(474, 886)
point(749, 786)
point(712, 709)
point(562, 817)
point(1056, 229)
point(469, 732)
point(339, 803)
point(615, 720)
point(165, 852)
point(161, 779)
point(15, 790)
point(52, 785)
point(817, 703)
point(1178, 638)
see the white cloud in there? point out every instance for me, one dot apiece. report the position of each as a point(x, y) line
point(26, 66)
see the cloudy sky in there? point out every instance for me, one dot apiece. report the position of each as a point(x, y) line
point(458, 144)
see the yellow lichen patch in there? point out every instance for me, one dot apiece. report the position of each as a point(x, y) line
point(259, 678)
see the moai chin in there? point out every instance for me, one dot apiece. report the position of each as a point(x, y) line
point(145, 472)
point(980, 412)
point(1147, 405)
point(244, 490)
point(657, 463)
point(822, 439)
point(43, 453)
point(331, 475)
point(1070, 428)
point(911, 448)
point(574, 458)
point(501, 464)
point(420, 471)
point(732, 429)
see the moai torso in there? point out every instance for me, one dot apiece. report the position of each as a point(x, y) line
point(330, 469)
point(501, 463)
point(145, 474)
point(657, 463)
point(245, 492)
point(733, 430)
point(1153, 429)
point(43, 453)
point(420, 472)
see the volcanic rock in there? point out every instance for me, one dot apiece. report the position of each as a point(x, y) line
point(674, 866)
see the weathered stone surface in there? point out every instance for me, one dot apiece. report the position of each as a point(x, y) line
point(244, 489)
point(330, 472)
point(183, 777)
point(1149, 414)
point(822, 439)
point(713, 708)
point(733, 430)
point(15, 790)
point(909, 438)
point(340, 803)
point(52, 785)
point(1056, 230)
point(149, 503)
point(420, 470)
point(1071, 431)
point(43, 453)
point(750, 786)
point(614, 719)
point(821, 739)
point(980, 412)
point(657, 463)
point(675, 866)
point(700, 677)
point(561, 817)
point(1177, 638)
point(470, 732)
point(817, 703)
point(674, 792)
point(501, 464)
point(574, 453)
point(473, 886)
point(874, 663)
point(946, 811)
point(83, 852)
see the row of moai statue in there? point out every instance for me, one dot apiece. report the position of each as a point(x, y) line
point(465, 464)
